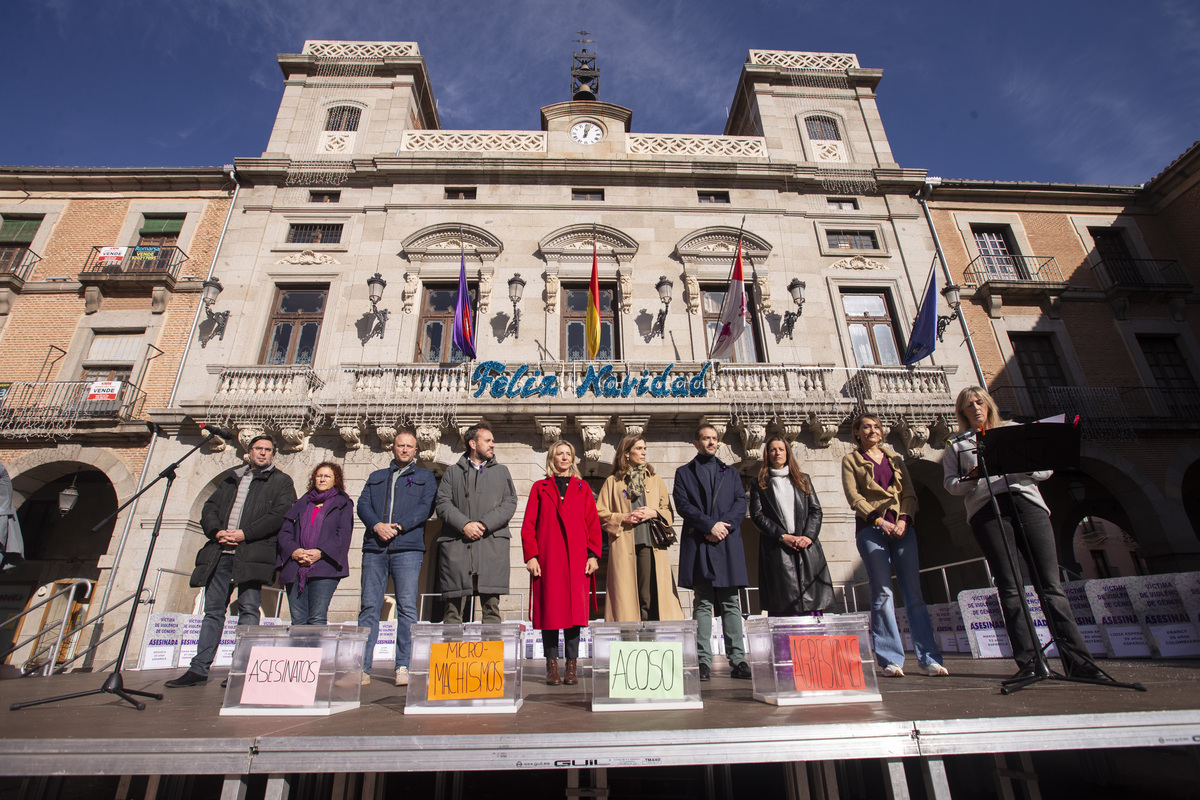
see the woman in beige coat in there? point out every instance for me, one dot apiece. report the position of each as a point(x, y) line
point(640, 583)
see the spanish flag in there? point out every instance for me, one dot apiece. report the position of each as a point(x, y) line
point(592, 330)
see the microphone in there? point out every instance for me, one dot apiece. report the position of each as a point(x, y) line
point(213, 430)
point(958, 438)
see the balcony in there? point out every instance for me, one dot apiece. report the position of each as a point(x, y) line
point(1015, 278)
point(291, 398)
point(1106, 412)
point(16, 265)
point(56, 409)
point(134, 269)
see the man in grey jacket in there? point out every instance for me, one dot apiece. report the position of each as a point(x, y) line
point(475, 501)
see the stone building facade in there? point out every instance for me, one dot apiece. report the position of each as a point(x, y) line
point(358, 179)
point(101, 272)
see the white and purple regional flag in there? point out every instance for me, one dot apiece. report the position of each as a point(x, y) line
point(733, 313)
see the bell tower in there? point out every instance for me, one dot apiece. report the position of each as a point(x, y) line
point(585, 76)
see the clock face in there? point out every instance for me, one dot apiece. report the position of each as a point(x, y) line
point(586, 132)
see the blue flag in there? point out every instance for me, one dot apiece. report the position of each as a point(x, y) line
point(464, 329)
point(924, 333)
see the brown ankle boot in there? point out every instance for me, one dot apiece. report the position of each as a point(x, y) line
point(571, 678)
point(552, 672)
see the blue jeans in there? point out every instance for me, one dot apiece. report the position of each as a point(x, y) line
point(880, 554)
point(216, 599)
point(311, 606)
point(405, 568)
point(725, 598)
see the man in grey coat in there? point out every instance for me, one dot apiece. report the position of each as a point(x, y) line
point(475, 501)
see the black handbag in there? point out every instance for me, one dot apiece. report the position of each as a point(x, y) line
point(662, 535)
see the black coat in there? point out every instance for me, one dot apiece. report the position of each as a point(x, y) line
point(268, 499)
point(790, 582)
point(721, 563)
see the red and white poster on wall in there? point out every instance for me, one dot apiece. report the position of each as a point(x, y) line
point(111, 255)
point(104, 390)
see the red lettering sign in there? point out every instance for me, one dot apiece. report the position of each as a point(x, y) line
point(827, 663)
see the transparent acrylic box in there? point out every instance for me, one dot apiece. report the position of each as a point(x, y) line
point(834, 668)
point(424, 686)
point(333, 685)
point(605, 634)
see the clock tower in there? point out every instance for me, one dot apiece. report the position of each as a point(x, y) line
point(584, 125)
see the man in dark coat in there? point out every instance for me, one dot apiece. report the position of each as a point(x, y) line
point(712, 563)
point(395, 504)
point(475, 501)
point(241, 519)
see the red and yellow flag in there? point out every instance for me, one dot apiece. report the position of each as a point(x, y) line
point(592, 329)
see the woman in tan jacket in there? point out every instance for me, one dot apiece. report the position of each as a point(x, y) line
point(881, 492)
point(640, 583)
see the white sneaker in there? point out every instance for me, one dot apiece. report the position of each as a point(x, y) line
point(366, 678)
point(893, 671)
point(936, 670)
point(402, 676)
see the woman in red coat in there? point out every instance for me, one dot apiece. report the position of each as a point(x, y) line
point(562, 541)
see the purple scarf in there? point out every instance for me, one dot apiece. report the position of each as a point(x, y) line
point(310, 524)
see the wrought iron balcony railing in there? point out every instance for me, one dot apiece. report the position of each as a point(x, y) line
point(136, 261)
point(16, 261)
point(1028, 269)
point(1142, 274)
point(54, 408)
point(1104, 411)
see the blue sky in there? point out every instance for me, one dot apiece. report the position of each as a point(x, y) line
point(1106, 91)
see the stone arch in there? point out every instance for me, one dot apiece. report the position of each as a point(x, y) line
point(446, 241)
point(573, 243)
point(718, 244)
point(37, 468)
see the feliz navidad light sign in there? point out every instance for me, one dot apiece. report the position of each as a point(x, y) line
point(525, 381)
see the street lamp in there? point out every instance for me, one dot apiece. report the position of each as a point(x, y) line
point(516, 289)
point(951, 293)
point(796, 290)
point(375, 286)
point(212, 290)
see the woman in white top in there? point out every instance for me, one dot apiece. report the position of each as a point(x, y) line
point(1018, 497)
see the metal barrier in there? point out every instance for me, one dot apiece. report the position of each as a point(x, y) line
point(61, 624)
point(850, 590)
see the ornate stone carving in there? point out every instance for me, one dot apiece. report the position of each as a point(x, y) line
point(386, 434)
point(633, 424)
point(913, 435)
point(753, 434)
point(625, 279)
point(428, 436)
point(294, 438)
point(412, 282)
point(790, 426)
point(551, 428)
point(485, 290)
point(247, 432)
point(216, 444)
point(574, 243)
point(940, 431)
point(451, 241)
point(551, 293)
point(792, 59)
point(339, 49)
point(463, 423)
point(693, 293)
point(592, 430)
point(351, 435)
point(473, 142)
point(764, 292)
point(715, 246)
point(308, 257)
point(823, 427)
point(857, 262)
point(662, 144)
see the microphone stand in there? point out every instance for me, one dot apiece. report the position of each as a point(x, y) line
point(115, 684)
point(1039, 664)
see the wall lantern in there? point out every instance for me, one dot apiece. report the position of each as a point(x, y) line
point(212, 290)
point(796, 290)
point(68, 497)
point(516, 289)
point(951, 293)
point(375, 286)
point(663, 287)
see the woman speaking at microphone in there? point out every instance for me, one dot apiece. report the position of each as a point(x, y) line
point(1017, 497)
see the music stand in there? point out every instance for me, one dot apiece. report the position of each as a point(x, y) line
point(115, 684)
point(1032, 448)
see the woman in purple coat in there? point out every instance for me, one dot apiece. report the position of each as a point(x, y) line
point(314, 545)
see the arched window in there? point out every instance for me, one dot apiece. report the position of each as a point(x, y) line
point(343, 118)
point(823, 129)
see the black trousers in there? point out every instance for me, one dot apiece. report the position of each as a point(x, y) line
point(550, 642)
point(1037, 547)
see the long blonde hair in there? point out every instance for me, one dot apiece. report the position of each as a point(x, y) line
point(967, 395)
point(550, 472)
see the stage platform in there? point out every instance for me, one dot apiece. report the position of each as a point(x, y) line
point(918, 716)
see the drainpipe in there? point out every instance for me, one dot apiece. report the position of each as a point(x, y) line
point(921, 196)
point(170, 403)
